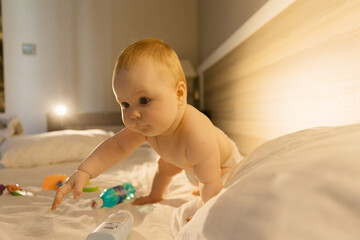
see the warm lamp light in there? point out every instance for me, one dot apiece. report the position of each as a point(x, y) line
point(61, 110)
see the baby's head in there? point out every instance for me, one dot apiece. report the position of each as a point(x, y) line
point(155, 49)
point(150, 86)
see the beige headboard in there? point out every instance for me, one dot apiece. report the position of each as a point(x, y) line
point(300, 70)
point(109, 121)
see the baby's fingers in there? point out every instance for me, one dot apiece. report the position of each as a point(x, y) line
point(79, 184)
point(78, 190)
point(63, 190)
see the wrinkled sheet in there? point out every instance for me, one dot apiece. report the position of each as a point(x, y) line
point(304, 185)
point(31, 218)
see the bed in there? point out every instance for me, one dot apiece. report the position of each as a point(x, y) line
point(28, 159)
point(304, 185)
point(287, 92)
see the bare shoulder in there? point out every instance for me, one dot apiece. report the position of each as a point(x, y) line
point(202, 136)
point(201, 143)
point(195, 121)
point(198, 123)
point(198, 131)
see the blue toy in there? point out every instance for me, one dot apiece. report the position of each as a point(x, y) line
point(113, 196)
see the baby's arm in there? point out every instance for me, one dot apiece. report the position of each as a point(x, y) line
point(204, 155)
point(162, 178)
point(205, 158)
point(107, 154)
point(208, 173)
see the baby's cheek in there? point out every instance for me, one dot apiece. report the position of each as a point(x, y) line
point(125, 119)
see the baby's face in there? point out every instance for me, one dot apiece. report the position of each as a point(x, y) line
point(147, 95)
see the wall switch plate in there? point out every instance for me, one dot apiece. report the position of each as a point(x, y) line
point(29, 49)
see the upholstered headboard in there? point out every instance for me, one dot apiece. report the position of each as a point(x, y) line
point(300, 69)
point(109, 121)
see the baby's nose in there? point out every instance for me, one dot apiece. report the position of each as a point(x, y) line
point(135, 114)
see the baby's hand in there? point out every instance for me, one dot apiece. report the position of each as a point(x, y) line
point(75, 184)
point(145, 200)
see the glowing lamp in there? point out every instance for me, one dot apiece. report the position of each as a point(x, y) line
point(61, 110)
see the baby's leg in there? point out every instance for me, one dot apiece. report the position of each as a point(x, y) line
point(162, 178)
point(193, 180)
point(196, 190)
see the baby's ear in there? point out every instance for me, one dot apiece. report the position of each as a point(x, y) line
point(181, 92)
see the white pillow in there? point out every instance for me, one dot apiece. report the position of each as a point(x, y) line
point(51, 147)
point(305, 185)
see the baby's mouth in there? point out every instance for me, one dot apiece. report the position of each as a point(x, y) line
point(140, 126)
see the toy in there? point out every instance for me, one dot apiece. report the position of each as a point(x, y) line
point(112, 196)
point(16, 190)
point(90, 187)
point(53, 182)
point(57, 180)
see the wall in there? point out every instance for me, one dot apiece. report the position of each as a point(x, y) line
point(300, 70)
point(77, 43)
point(219, 19)
point(34, 83)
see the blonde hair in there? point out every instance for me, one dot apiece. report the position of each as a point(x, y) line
point(154, 48)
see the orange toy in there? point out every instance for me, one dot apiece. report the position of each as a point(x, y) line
point(13, 187)
point(53, 182)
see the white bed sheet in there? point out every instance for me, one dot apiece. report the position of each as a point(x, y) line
point(305, 185)
point(31, 218)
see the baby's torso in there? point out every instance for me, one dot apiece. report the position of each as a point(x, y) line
point(170, 151)
point(174, 150)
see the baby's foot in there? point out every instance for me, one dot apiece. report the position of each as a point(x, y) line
point(145, 200)
point(196, 192)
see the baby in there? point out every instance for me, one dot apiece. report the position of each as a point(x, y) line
point(150, 86)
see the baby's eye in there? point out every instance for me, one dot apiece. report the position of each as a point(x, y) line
point(144, 100)
point(125, 104)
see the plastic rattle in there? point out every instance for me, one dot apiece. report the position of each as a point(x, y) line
point(16, 190)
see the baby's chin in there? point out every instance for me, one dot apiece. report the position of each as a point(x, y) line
point(146, 131)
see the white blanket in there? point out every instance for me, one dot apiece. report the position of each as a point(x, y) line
point(31, 218)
